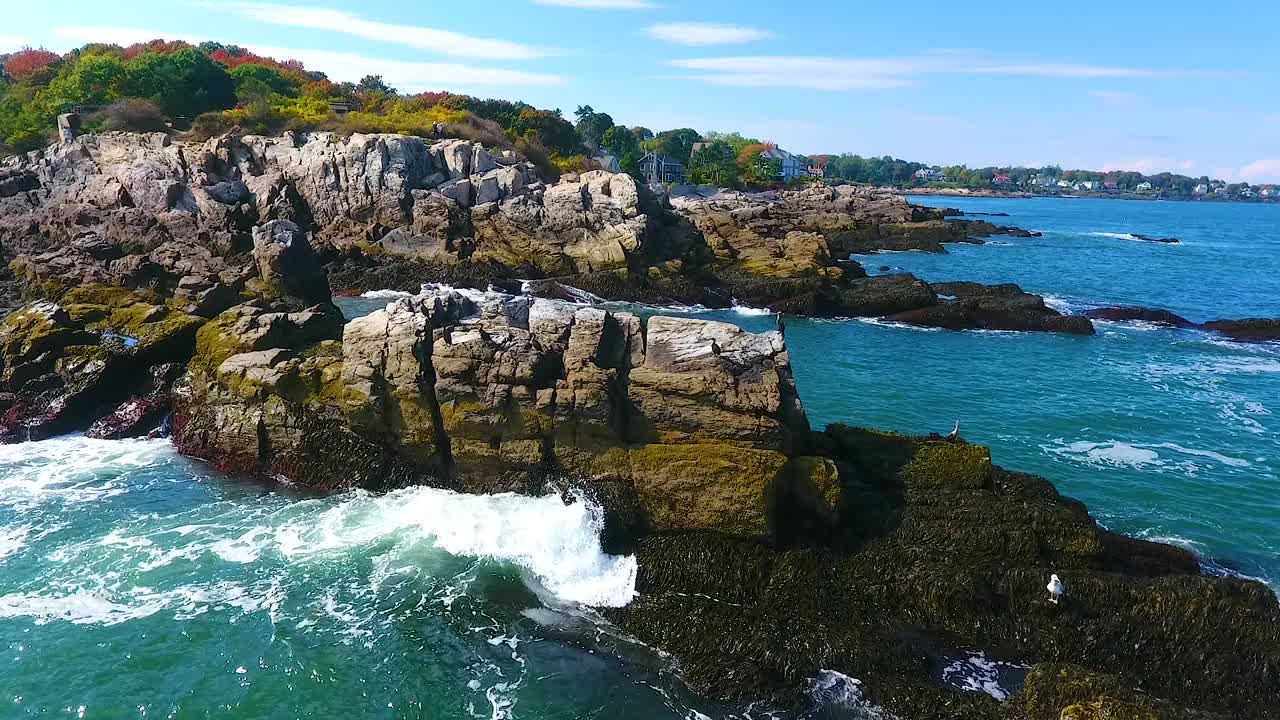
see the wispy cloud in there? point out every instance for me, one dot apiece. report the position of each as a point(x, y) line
point(602, 4)
point(1150, 165)
point(696, 33)
point(816, 73)
point(117, 35)
point(444, 42)
point(1114, 97)
point(841, 73)
point(1079, 71)
point(407, 76)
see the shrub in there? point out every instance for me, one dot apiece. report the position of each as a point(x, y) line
point(185, 83)
point(213, 124)
point(476, 129)
point(128, 115)
point(535, 152)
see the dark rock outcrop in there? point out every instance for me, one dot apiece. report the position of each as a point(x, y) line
point(1151, 315)
point(967, 305)
point(1251, 330)
point(1149, 238)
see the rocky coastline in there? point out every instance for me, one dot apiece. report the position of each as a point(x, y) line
point(156, 279)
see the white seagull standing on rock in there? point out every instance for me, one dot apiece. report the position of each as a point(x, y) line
point(955, 432)
point(1056, 589)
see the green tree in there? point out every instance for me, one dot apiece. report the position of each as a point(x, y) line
point(715, 164)
point(592, 125)
point(676, 144)
point(619, 141)
point(271, 77)
point(90, 80)
point(184, 83)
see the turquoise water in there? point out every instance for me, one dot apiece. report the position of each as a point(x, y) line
point(136, 583)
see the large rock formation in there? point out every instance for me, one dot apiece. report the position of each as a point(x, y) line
point(199, 222)
point(667, 416)
point(767, 552)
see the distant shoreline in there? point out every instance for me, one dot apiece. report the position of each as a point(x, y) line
point(1021, 195)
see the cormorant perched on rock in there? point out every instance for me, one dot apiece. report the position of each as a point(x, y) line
point(782, 327)
point(1056, 589)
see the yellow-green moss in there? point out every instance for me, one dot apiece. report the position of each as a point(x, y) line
point(214, 344)
point(705, 486)
point(820, 474)
point(1106, 708)
point(951, 465)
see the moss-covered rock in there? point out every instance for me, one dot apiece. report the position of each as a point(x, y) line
point(1070, 692)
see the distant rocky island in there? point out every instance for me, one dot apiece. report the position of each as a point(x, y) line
point(151, 277)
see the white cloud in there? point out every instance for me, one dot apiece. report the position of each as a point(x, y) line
point(694, 33)
point(9, 43)
point(842, 73)
point(441, 41)
point(1150, 165)
point(340, 66)
point(602, 4)
point(1114, 97)
point(1267, 170)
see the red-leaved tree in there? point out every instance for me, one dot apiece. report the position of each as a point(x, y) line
point(29, 60)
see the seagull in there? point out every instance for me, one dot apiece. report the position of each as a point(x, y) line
point(1056, 589)
point(955, 432)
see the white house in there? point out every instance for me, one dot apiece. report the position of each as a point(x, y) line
point(1269, 191)
point(1247, 192)
point(1200, 189)
point(1087, 186)
point(1064, 183)
point(1144, 187)
point(930, 175)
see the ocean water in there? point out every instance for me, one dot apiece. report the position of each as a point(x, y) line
point(137, 583)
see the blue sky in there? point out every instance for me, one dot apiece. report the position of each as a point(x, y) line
point(1181, 86)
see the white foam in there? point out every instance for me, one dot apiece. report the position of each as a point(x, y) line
point(978, 673)
point(557, 543)
point(1063, 305)
point(1111, 452)
point(881, 322)
point(386, 295)
point(13, 539)
point(1114, 236)
point(833, 690)
point(73, 468)
point(1122, 454)
point(750, 311)
point(1225, 460)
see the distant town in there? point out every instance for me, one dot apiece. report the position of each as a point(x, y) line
point(1055, 181)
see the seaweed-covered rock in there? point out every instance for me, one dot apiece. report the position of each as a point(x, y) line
point(68, 365)
point(1069, 692)
point(937, 549)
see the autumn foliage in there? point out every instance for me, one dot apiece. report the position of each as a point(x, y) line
point(25, 62)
